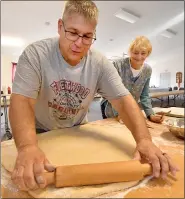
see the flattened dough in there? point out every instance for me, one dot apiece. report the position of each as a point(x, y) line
point(175, 111)
point(89, 143)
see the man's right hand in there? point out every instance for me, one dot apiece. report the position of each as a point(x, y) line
point(29, 166)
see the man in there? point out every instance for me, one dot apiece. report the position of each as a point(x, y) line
point(55, 82)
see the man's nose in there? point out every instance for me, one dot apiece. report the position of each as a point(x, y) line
point(79, 41)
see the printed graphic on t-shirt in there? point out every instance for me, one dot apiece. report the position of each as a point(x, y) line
point(68, 98)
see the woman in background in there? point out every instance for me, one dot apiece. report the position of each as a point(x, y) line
point(135, 74)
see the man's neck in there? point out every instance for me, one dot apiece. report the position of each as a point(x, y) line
point(72, 63)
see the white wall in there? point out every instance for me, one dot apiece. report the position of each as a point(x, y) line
point(6, 70)
point(172, 63)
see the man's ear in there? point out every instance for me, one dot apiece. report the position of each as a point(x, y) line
point(60, 24)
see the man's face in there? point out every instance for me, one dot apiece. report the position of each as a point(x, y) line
point(138, 56)
point(73, 51)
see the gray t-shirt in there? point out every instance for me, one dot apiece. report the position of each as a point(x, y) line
point(63, 92)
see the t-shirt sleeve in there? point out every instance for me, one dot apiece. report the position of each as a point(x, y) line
point(110, 84)
point(27, 79)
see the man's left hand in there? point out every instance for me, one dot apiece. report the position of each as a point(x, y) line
point(161, 162)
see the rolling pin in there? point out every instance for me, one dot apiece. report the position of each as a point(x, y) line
point(98, 173)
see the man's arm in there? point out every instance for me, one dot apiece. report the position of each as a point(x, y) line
point(22, 120)
point(132, 116)
point(134, 120)
point(31, 161)
point(111, 87)
point(25, 91)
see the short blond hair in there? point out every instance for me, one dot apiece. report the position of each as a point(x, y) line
point(87, 9)
point(141, 43)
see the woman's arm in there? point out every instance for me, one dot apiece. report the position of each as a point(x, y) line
point(147, 104)
point(146, 100)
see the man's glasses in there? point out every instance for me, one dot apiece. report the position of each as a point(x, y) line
point(73, 36)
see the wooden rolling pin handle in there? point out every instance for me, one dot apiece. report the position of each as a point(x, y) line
point(76, 175)
point(49, 177)
point(101, 173)
point(146, 169)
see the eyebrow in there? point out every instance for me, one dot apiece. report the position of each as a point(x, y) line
point(78, 31)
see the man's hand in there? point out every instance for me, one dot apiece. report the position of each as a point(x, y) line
point(157, 118)
point(30, 164)
point(161, 162)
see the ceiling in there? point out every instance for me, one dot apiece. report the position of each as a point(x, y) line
point(26, 19)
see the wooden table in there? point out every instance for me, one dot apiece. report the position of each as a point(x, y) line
point(155, 188)
point(167, 93)
point(175, 94)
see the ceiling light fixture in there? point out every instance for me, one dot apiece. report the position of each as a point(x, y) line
point(172, 22)
point(126, 15)
point(168, 33)
point(11, 41)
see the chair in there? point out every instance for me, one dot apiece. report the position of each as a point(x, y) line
point(182, 96)
point(175, 88)
point(170, 88)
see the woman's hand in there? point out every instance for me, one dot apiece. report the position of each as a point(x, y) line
point(156, 118)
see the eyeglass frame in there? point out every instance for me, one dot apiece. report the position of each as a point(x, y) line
point(93, 38)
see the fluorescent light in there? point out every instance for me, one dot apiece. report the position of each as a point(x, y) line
point(127, 16)
point(176, 20)
point(11, 41)
point(168, 33)
point(172, 22)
